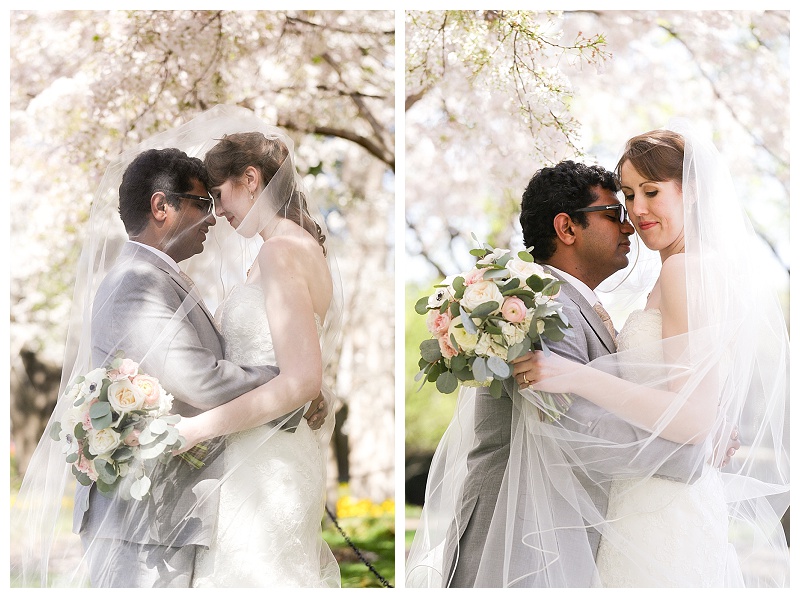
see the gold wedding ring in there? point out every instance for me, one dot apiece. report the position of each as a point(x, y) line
point(525, 378)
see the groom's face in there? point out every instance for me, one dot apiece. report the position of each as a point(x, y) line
point(189, 224)
point(603, 246)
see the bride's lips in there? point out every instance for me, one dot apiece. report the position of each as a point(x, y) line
point(646, 224)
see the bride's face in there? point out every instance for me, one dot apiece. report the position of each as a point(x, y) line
point(232, 200)
point(655, 209)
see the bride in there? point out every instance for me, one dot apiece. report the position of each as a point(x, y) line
point(268, 531)
point(706, 350)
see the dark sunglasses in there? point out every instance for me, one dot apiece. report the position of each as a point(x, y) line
point(208, 201)
point(623, 213)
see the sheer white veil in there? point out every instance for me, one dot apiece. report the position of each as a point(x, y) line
point(47, 552)
point(734, 363)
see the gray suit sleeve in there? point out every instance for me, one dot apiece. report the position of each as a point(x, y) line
point(142, 315)
point(625, 453)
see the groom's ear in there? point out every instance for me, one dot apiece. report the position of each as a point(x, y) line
point(565, 228)
point(158, 206)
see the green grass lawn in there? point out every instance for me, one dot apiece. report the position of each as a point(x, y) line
point(375, 539)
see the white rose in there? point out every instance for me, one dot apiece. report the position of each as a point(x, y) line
point(522, 269)
point(124, 396)
point(481, 292)
point(464, 339)
point(102, 441)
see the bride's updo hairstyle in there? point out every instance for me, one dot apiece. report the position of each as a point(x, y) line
point(657, 156)
point(231, 156)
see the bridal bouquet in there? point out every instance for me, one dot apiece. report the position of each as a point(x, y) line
point(483, 319)
point(117, 427)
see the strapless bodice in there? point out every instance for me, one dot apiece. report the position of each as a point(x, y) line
point(242, 320)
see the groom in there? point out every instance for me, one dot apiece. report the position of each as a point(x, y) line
point(147, 308)
point(579, 231)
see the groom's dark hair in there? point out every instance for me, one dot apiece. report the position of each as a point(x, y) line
point(565, 187)
point(154, 170)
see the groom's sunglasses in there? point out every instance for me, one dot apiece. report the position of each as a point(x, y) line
point(622, 212)
point(207, 202)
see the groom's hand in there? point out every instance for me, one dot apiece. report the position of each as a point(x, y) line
point(722, 458)
point(316, 412)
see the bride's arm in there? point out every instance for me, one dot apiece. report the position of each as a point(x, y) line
point(296, 344)
point(650, 408)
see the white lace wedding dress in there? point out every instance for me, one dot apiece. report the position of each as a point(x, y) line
point(268, 531)
point(677, 533)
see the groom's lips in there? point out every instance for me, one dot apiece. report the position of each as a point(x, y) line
point(626, 245)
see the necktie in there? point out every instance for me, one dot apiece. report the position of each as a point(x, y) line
point(601, 311)
point(190, 282)
point(192, 291)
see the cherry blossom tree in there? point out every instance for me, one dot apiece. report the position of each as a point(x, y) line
point(491, 96)
point(86, 85)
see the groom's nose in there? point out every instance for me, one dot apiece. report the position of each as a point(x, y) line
point(626, 228)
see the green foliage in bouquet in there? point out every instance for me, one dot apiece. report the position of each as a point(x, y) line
point(484, 319)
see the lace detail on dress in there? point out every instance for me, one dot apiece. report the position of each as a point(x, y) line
point(642, 327)
point(676, 533)
point(269, 525)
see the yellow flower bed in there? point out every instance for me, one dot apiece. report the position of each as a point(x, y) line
point(347, 506)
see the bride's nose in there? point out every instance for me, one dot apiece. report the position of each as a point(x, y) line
point(638, 206)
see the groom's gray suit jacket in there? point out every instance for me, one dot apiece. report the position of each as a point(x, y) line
point(141, 308)
point(488, 457)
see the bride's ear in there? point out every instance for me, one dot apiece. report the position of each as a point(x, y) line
point(252, 179)
point(565, 228)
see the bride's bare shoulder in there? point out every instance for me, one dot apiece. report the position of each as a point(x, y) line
point(673, 270)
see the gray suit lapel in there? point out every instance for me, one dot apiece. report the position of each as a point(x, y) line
point(135, 252)
point(588, 313)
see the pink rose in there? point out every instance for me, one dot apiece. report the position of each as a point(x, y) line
point(128, 367)
point(446, 348)
point(514, 309)
point(473, 276)
point(86, 466)
point(86, 418)
point(116, 375)
point(438, 323)
point(132, 439)
point(150, 389)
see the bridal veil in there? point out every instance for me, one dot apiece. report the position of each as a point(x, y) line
point(50, 554)
point(733, 364)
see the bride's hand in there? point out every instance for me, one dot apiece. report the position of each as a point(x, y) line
point(546, 373)
point(190, 432)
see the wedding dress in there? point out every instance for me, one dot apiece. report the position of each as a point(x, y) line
point(677, 533)
point(268, 531)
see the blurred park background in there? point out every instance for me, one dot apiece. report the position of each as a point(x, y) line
point(86, 85)
point(492, 96)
